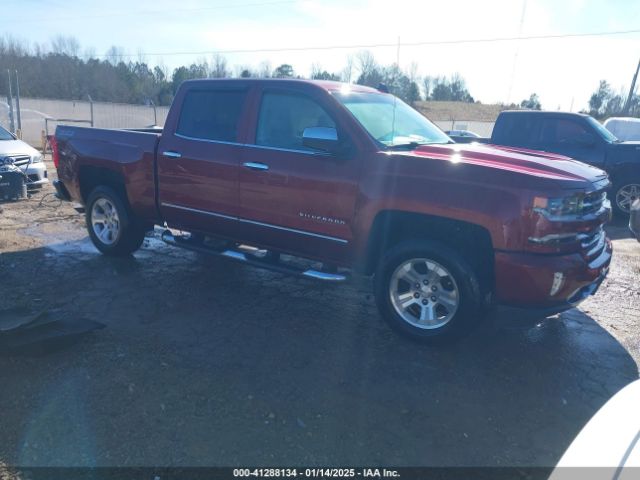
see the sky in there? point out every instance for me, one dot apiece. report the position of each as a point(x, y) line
point(564, 72)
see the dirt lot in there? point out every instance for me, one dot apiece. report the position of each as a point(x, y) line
point(203, 362)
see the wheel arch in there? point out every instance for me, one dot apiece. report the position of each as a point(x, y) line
point(90, 177)
point(472, 241)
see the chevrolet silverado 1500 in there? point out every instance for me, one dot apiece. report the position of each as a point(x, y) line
point(355, 180)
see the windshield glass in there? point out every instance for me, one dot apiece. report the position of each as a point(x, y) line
point(4, 135)
point(391, 121)
point(608, 136)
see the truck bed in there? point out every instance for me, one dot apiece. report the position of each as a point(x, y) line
point(91, 153)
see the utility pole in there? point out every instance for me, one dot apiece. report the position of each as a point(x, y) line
point(627, 104)
point(12, 126)
point(18, 104)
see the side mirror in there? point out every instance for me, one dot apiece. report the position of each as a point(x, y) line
point(321, 138)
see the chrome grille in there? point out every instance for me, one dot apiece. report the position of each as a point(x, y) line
point(592, 202)
point(592, 243)
point(15, 160)
point(20, 159)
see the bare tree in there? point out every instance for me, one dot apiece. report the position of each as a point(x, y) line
point(367, 64)
point(316, 70)
point(65, 45)
point(264, 70)
point(115, 55)
point(347, 71)
point(219, 67)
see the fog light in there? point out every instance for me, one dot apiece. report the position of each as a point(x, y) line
point(558, 282)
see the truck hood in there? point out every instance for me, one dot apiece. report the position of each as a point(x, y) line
point(527, 162)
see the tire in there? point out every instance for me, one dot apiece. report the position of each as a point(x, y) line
point(623, 195)
point(111, 226)
point(448, 301)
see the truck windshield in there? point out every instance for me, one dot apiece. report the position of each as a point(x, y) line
point(391, 121)
point(606, 134)
point(4, 135)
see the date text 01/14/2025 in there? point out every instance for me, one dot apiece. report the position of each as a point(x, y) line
point(315, 473)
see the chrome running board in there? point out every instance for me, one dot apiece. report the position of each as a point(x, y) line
point(277, 266)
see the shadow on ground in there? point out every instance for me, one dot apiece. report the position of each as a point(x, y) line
point(204, 362)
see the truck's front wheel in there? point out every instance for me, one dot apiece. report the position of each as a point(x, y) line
point(110, 224)
point(625, 193)
point(427, 291)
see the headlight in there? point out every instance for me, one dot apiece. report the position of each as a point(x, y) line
point(558, 207)
point(36, 158)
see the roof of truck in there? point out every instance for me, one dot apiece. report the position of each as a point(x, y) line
point(545, 112)
point(328, 85)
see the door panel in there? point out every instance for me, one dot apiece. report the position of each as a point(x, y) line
point(198, 161)
point(199, 189)
point(304, 202)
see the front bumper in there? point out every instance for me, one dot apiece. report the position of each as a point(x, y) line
point(550, 283)
point(634, 219)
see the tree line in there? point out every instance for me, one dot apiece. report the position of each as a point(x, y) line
point(605, 103)
point(59, 70)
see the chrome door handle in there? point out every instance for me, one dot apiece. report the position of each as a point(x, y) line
point(256, 166)
point(171, 154)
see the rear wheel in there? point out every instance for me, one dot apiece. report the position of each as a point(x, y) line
point(111, 226)
point(427, 291)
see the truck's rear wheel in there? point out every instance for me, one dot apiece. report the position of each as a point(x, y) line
point(110, 224)
point(427, 291)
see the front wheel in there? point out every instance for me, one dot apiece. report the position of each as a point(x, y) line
point(625, 193)
point(111, 226)
point(427, 291)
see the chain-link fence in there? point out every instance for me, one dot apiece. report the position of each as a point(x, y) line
point(40, 116)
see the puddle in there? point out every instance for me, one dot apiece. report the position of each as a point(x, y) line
point(77, 242)
point(83, 246)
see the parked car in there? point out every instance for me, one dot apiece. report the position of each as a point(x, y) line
point(607, 447)
point(25, 157)
point(634, 219)
point(624, 128)
point(577, 136)
point(462, 136)
point(355, 179)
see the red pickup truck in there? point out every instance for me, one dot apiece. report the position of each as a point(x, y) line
point(352, 179)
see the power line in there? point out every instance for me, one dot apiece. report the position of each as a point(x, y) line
point(172, 12)
point(378, 45)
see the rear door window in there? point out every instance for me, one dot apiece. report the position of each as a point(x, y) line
point(211, 114)
point(518, 130)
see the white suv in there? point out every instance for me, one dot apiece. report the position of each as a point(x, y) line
point(25, 157)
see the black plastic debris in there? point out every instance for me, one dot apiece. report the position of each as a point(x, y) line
point(26, 333)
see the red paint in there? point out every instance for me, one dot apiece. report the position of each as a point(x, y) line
point(492, 187)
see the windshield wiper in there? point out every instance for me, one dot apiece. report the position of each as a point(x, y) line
point(414, 145)
point(405, 146)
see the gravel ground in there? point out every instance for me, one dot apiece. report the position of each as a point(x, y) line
point(203, 362)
